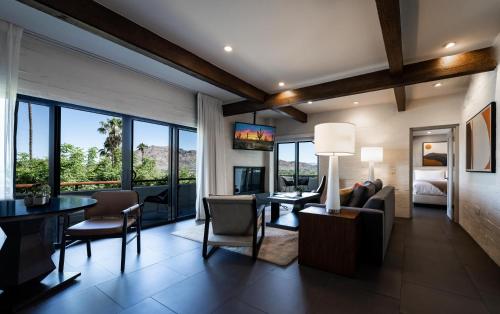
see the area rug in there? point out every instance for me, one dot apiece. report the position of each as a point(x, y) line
point(279, 247)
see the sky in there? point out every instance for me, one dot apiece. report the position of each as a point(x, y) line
point(80, 129)
point(306, 152)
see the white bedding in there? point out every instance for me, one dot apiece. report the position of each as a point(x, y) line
point(422, 187)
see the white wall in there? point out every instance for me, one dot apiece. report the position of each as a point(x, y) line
point(237, 157)
point(58, 73)
point(382, 125)
point(480, 192)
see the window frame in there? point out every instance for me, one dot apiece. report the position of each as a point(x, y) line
point(296, 166)
point(127, 142)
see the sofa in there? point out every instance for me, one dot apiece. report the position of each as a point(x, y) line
point(377, 218)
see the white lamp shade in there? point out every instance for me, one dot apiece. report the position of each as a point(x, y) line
point(334, 139)
point(372, 154)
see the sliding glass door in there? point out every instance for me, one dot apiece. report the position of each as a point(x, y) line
point(297, 166)
point(186, 175)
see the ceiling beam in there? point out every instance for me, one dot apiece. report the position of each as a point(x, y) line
point(102, 21)
point(293, 113)
point(390, 22)
point(481, 60)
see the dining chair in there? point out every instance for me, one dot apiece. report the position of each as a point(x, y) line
point(115, 213)
point(233, 220)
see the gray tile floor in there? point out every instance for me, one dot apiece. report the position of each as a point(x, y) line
point(432, 266)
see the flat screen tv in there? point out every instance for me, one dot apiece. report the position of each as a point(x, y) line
point(253, 136)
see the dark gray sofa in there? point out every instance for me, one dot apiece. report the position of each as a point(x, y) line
point(377, 218)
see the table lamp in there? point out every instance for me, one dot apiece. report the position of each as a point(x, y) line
point(372, 155)
point(334, 140)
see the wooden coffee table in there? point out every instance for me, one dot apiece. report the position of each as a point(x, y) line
point(289, 221)
point(329, 242)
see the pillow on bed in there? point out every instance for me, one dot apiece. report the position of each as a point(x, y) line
point(429, 175)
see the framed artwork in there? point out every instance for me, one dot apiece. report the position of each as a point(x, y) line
point(435, 154)
point(480, 139)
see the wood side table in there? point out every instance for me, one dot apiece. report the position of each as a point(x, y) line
point(329, 242)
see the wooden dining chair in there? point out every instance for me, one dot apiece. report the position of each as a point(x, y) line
point(115, 213)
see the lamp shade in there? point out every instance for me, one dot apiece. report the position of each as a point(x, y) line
point(372, 154)
point(334, 139)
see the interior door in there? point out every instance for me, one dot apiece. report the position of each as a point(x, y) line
point(451, 165)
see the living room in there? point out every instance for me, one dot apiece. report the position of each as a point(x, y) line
point(247, 157)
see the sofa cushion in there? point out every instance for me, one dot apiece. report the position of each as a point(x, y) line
point(360, 195)
point(345, 196)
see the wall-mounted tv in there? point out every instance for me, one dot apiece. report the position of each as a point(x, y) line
point(253, 136)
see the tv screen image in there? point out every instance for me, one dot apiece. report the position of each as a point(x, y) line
point(253, 136)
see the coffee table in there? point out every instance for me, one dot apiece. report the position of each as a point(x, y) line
point(289, 221)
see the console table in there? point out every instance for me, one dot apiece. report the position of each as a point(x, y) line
point(329, 242)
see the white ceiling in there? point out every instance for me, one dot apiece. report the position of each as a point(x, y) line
point(299, 42)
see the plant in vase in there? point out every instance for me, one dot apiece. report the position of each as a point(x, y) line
point(39, 195)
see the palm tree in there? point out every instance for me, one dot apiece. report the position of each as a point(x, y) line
point(113, 130)
point(141, 147)
point(30, 136)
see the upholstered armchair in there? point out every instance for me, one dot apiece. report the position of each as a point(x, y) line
point(233, 221)
point(115, 213)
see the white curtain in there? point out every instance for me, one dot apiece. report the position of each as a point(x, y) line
point(211, 153)
point(10, 42)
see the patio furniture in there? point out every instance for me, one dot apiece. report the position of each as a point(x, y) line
point(115, 213)
point(287, 185)
point(233, 221)
point(159, 199)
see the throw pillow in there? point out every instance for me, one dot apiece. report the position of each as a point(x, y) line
point(345, 195)
point(359, 196)
point(379, 184)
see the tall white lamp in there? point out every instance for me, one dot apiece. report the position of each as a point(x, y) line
point(372, 155)
point(334, 140)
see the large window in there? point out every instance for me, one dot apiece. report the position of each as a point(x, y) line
point(32, 146)
point(151, 170)
point(186, 178)
point(78, 150)
point(91, 151)
point(297, 166)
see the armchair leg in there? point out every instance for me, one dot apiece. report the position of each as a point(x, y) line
point(124, 248)
point(138, 236)
point(89, 251)
point(62, 253)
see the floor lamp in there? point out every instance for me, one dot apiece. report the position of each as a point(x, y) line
point(372, 155)
point(334, 140)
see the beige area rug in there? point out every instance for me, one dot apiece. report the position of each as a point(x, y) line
point(279, 247)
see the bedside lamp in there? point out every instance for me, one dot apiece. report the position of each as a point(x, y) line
point(372, 155)
point(334, 140)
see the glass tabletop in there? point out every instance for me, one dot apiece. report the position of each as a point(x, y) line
point(17, 209)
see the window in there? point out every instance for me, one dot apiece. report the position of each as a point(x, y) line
point(151, 170)
point(91, 151)
point(32, 146)
point(186, 185)
point(297, 166)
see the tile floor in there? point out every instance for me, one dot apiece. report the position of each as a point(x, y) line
point(432, 266)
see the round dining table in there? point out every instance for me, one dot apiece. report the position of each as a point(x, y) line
point(26, 267)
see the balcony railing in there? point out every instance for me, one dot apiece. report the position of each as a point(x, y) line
point(77, 185)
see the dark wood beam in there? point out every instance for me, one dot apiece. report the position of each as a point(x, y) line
point(100, 20)
point(400, 94)
point(390, 22)
point(293, 113)
point(481, 60)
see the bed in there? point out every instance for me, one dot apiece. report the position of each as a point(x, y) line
point(430, 187)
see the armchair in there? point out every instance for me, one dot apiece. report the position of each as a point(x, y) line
point(115, 213)
point(233, 221)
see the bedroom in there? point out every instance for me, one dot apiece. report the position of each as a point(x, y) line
point(432, 171)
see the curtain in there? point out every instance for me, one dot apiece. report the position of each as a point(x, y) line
point(10, 43)
point(211, 160)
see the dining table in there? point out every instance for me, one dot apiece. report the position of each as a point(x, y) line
point(27, 271)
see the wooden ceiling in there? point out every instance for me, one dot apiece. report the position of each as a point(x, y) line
point(106, 23)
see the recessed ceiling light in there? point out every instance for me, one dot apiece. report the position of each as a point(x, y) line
point(228, 48)
point(429, 132)
point(438, 85)
point(356, 102)
point(281, 84)
point(309, 102)
point(450, 45)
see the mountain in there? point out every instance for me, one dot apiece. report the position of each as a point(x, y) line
point(289, 167)
point(187, 158)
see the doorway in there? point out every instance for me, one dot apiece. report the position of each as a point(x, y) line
point(433, 177)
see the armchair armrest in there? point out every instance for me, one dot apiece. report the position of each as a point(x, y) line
point(135, 208)
point(261, 209)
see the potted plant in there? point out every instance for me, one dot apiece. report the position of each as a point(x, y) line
point(298, 191)
point(39, 195)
